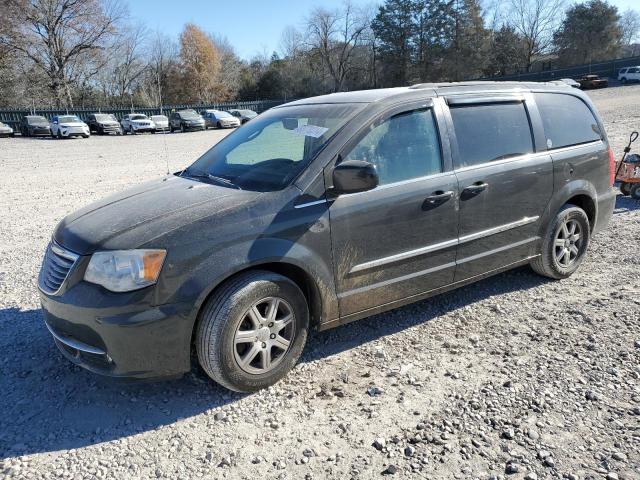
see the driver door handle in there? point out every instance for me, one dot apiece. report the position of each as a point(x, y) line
point(436, 199)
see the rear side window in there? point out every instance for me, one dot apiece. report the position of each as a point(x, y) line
point(567, 120)
point(490, 132)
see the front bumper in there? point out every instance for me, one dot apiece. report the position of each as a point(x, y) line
point(74, 132)
point(120, 340)
point(109, 129)
point(44, 132)
point(143, 129)
point(192, 127)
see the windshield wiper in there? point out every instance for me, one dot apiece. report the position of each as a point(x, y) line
point(215, 178)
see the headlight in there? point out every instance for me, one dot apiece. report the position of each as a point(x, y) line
point(125, 270)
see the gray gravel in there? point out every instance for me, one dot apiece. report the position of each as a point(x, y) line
point(513, 377)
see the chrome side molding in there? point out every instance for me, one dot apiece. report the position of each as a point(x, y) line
point(442, 245)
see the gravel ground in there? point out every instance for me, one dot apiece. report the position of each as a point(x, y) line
point(513, 377)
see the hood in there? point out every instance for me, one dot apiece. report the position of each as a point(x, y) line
point(109, 123)
point(140, 121)
point(138, 215)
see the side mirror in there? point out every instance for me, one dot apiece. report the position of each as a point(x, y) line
point(353, 176)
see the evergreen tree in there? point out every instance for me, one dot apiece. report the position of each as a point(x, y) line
point(590, 32)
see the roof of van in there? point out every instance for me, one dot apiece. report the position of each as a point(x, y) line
point(434, 89)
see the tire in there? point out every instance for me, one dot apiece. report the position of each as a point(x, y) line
point(58, 135)
point(635, 191)
point(625, 188)
point(218, 125)
point(228, 310)
point(623, 80)
point(551, 262)
point(182, 129)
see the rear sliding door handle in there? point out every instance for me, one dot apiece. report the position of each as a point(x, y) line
point(476, 187)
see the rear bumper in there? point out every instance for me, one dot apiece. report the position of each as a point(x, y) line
point(604, 210)
point(125, 341)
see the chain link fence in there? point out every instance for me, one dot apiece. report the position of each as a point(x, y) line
point(609, 68)
point(13, 117)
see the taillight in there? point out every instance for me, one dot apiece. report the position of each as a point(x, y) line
point(612, 167)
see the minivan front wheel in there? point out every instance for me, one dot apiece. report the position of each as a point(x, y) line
point(252, 331)
point(564, 244)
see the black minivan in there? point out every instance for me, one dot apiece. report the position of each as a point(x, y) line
point(324, 211)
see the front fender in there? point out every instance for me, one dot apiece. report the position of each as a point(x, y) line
point(232, 259)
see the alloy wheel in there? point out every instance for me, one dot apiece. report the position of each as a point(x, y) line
point(567, 243)
point(264, 335)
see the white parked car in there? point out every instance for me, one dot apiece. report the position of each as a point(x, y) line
point(219, 119)
point(5, 130)
point(161, 122)
point(134, 123)
point(629, 74)
point(66, 126)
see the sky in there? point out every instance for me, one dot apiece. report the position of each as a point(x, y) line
point(251, 26)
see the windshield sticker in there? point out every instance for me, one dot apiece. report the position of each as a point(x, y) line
point(310, 131)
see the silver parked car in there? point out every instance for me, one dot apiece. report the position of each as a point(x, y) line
point(161, 122)
point(243, 115)
point(135, 123)
point(6, 130)
point(219, 119)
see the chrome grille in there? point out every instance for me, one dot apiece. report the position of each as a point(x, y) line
point(55, 268)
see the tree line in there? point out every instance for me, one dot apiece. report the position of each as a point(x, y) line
point(73, 53)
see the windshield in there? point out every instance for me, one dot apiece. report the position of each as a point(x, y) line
point(268, 153)
point(68, 119)
point(138, 117)
point(159, 118)
point(189, 114)
point(222, 115)
point(248, 113)
point(37, 121)
point(105, 117)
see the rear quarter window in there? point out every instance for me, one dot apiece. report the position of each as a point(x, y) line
point(567, 120)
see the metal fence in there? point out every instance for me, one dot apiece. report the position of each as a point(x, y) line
point(609, 68)
point(13, 117)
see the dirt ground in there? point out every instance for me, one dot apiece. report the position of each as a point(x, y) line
point(513, 377)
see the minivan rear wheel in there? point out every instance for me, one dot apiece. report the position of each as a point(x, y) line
point(252, 331)
point(564, 244)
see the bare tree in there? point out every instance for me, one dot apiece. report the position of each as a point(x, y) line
point(535, 21)
point(630, 27)
point(128, 62)
point(332, 35)
point(163, 57)
point(59, 36)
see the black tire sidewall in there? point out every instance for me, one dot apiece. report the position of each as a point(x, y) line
point(573, 213)
point(625, 188)
point(634, 191)
point(231, 311)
